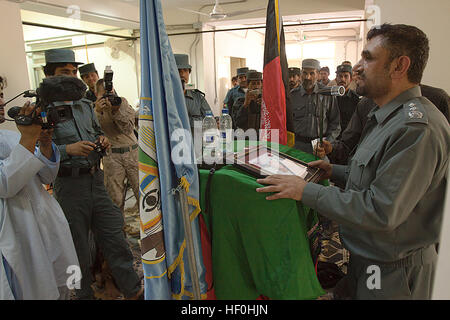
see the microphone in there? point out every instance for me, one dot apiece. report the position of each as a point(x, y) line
point(332, 91)
point(14, 112)
point(61, 88)
point(30, 94)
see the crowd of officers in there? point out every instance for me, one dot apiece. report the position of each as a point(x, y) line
point(343, 116)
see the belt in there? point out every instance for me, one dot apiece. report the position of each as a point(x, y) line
point(303, 139)
point(124, 149)
point(75, 172)
point(419, 258)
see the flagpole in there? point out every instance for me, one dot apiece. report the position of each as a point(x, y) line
point(189, 243)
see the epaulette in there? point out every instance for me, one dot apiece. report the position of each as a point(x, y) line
point(198, 91)
point(415, 112)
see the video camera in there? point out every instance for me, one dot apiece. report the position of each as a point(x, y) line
point(109, 93)
point(54, 97)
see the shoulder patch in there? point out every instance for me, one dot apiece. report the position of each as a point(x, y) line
point(415, 112)
point(198, 91)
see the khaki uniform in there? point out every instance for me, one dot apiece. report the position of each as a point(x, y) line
point(122, 159)
point(391, 210)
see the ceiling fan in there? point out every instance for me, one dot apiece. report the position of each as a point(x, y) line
point(218, 13)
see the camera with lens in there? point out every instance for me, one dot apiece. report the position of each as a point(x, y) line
point(99, 149)
point(109, 93)
point(54, 97)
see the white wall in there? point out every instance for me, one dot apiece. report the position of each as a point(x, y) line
point(13, 63)
point(125, 80)
point(115, 13)
point(241, 44)
point(442, 278)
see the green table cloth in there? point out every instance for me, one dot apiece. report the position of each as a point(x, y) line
point(259, 247)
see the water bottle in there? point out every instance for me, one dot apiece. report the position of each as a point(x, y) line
point(210, 138)
point(226, 132)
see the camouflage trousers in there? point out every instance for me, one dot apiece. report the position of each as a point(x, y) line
point(117, 167)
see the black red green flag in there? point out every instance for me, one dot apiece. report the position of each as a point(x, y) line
point(275, 76)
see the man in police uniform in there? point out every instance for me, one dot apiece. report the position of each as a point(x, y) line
point(306, 104)
point(391, 209)
point(238, 91)
point(248, 108)
point(294, 78)
point(348, 102)
point(196, 104)
point(80, 190)
point(89, 75)
point(324, 74)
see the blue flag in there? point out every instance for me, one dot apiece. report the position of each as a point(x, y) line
point(166, 162)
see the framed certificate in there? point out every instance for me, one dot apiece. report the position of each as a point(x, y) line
point(261, 161)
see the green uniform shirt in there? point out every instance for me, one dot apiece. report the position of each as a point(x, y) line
point(83, 127)
point(393, 201)
point(306, 114)
point(196, 105)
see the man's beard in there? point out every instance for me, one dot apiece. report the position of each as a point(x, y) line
point(372, 91)
point(343, 84)
point(292, 84)
point(307, 84)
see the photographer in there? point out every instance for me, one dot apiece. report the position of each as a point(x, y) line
point(117, 121)
point(89, 75)
point(80, 190)
point(248, 109)
point(36, 246)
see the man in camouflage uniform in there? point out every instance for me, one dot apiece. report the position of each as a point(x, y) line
point(118, 123)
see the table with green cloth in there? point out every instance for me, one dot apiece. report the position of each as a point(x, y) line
point(258, 247)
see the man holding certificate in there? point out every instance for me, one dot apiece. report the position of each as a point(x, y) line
point(390, 212)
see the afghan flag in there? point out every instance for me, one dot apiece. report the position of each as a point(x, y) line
point(275, 77)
